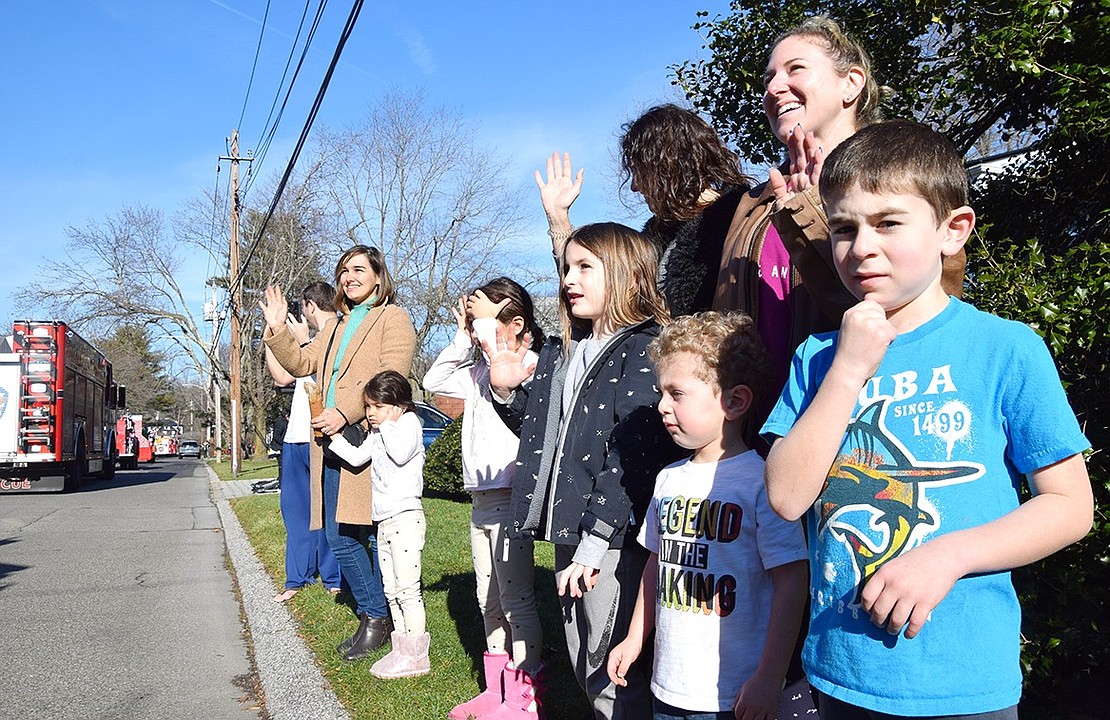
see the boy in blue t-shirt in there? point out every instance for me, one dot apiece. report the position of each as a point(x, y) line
point(906, 435)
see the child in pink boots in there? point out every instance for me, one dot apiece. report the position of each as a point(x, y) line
point(395, 449)
point(502, 568)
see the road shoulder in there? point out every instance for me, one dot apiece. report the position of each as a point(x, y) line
point(291, 681)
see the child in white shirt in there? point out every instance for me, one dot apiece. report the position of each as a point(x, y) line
point(395, 450)
point(724, 587)
point(503, 568)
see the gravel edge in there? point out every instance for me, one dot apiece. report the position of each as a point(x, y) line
point(293, 686)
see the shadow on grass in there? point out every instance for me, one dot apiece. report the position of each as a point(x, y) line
point(563, 698)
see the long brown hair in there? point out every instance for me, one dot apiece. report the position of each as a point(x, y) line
point(630, 262)
point(672, 155)
point(386, 291)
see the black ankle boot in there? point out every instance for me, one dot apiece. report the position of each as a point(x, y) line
point(343, 647)
point(376, 634)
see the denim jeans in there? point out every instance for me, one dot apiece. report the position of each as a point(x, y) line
point(833, 709)
point(663, 711)
point(356, 549)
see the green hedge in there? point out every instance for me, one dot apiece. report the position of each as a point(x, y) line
point(443, 462)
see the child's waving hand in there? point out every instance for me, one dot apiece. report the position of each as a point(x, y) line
point(480, 306)
point(507, 370)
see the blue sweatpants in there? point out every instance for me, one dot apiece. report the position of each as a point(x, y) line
point(306, 551)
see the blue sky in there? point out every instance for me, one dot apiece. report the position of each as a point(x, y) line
point(112, 103)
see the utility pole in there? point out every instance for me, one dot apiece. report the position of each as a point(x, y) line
point(235, 303)
point(212, 315)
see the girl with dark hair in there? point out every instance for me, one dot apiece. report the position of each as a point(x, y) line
point(503, 568)
point(394, 452)
point(591, 444)
point(691, 183)
point(372, 335)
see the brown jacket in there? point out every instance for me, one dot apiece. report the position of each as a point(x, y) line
point(385, 340)
point(818, 298)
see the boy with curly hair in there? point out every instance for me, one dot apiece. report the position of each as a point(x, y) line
point(725, 584)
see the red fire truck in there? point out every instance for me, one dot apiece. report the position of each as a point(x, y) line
point(165, 437)
point(57, 405)
point(132, 444)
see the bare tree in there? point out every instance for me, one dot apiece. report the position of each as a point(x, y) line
point(122, 271)
point(287, 253)
point(127, 270)
point(411, 179)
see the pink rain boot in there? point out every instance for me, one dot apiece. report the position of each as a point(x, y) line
point(522, 692)
point(489, 699)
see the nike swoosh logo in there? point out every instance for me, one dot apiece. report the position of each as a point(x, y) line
point(596, 657)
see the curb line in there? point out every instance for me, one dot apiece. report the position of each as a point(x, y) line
point(293, 686)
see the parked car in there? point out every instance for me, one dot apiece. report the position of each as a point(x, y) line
point(433, 420)
point(188, 448)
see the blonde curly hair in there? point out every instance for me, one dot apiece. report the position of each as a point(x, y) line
point(727, 345)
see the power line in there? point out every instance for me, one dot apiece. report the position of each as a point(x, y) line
point(254, 65)
point(284, 74)
point(348, 28)
point(263, 145)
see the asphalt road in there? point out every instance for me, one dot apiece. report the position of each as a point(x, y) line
point(117, 602)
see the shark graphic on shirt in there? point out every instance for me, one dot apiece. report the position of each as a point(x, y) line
point(874, 499)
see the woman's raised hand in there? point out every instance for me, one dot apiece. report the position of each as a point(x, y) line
point(559, 192)
point(806, 159)
point(274, 308)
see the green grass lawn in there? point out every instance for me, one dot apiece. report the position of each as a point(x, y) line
point(259, 469)
point(453, 621)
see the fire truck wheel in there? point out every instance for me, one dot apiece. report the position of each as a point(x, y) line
point(77, 469)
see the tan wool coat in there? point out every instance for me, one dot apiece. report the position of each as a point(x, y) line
point(385, 340)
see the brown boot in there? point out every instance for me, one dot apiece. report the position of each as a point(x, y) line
point(343, 647)
point(376, 635)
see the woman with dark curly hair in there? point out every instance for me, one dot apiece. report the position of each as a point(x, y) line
point(691, 183)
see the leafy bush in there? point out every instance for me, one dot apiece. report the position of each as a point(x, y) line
point(1064, 297)
point(443, 462)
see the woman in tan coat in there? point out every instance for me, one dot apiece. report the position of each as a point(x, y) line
point(777, 261)
point(372, 335)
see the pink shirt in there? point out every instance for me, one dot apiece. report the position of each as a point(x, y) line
point(774, 313)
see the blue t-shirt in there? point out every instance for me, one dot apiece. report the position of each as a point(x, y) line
point(957, 412)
